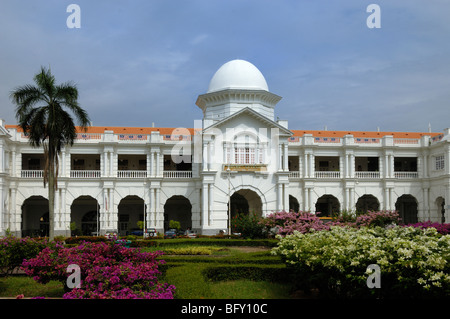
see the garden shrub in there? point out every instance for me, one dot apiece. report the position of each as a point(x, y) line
point(378, 218)
point(273, 273)
point(286, 223)
point(79, 239)
point(108, 270)
point(414, 262)
point(14, 250)
point(443, 229)
point(248, 225)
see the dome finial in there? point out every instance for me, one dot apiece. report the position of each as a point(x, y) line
point(238, 74)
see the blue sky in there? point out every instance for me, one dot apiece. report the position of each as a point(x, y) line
point(145, 61)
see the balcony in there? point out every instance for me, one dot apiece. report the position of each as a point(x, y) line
point(177, 174)
point(406, 175)
point(132, 174)
point(294, 174)
point(85, 174)
point(367, 175)
point(327, 174)
point(32, 173)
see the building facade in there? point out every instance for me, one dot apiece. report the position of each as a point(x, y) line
point(113, 177)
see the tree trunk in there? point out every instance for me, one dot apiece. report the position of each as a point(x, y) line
point(51, 200)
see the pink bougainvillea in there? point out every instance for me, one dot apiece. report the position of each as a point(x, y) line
point(287, 222)
point(108, 270)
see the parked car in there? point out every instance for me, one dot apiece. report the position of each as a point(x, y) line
point(171, 233)
point(190, 233)
point(137, 232)
point(151, 232)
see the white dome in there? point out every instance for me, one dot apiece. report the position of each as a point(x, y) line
point(238, 74)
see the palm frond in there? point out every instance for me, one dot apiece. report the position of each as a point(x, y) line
point(45, 81)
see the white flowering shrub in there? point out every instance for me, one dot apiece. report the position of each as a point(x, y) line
point(414, 262)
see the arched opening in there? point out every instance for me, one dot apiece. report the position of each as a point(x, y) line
point(440, 204)
point(245, 201)
point(293, 204)
point(35, 217)
point(367, 203)
point(90, 223)
point(131, 210)
point(406, 206)
point(84, 220)
point(178, 208)
point(326, 205)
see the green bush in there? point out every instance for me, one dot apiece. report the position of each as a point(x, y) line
point(79, 239)
point(249, 225)
point(271, 273)
point(14, 250)
point(414, 262)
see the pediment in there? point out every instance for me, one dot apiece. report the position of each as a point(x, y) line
point(247, 118)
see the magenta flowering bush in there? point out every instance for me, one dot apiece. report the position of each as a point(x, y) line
point(286, 223)
point(381, 218)
point(443, 229)
point(108, 271)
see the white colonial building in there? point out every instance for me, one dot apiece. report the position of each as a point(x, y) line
point(112, 177)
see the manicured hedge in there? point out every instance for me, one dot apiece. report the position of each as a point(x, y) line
point(79, 239)
point(205, 241)
point(272, 273)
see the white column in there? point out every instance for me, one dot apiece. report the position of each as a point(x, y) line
point(280, 157)
point(158, 166)
point(386, 166)
point(300, 166)
point(2, 164)
point(311, 166)
point(386, 199)
point(111, 154)
point(105, 164)
point(13, 164)
point(351, 198)
point(152, 164)
point(279, 197)
point(113, 215)
point(286, 197)
point(205, 157)
point(347, 166)
point(211, 201)
point(426, 211)
point(286, 158)
point(391, 166)
point(352, 165)
point(205, 205)
point(148, 165)
point(347, 199)
point(1, 205)
point(391, 199)
point(12, 212)
point(306, 165)
point(159, 220)
point(62, 166)
point(225, 153)
point(310, 203)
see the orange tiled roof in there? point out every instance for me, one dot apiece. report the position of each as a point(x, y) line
point(122, 130)
point(362, 134)
point(299, 133)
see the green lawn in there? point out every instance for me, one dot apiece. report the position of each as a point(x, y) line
point(189, 275)
point(199, 271)
point(13, 286)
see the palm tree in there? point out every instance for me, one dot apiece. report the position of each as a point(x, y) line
point(40, 113)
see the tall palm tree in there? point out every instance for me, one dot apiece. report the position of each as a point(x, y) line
point(41, 114)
